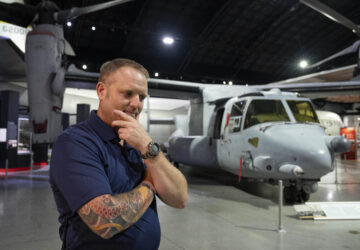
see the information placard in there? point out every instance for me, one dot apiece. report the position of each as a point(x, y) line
point(3, 134)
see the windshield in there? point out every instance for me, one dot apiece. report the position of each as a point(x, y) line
point(260, 111)
point(303, 111)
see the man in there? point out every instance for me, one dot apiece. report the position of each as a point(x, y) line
point(106, 171)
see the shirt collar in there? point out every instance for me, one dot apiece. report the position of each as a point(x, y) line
point(105, 132)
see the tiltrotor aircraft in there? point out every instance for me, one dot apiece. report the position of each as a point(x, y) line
point(268, 135)
point(45, 52)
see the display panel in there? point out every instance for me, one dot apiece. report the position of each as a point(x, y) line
point(24, 136)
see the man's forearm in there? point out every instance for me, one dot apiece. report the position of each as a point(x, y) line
point(108, 215)
point(170, 183)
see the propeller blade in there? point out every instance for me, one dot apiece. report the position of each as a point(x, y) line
point(66, 15)
point(353, 48)
point(68, 49)
point(332, 14)
point(13, 1)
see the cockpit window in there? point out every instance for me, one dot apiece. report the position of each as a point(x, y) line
point(303, 111)
point(236, 116)
point(261, 111)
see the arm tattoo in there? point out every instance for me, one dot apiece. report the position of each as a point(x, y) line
point(108, 215)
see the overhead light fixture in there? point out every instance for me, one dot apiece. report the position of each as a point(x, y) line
point(84, 67)
point(230, 83)
point(303, 64)
point(168, 40)
point(69, 24)
point(224, 82)
point(93, 28)
point(156, 74)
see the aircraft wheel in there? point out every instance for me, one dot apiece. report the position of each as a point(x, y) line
point(304, 196)
point(290, 195)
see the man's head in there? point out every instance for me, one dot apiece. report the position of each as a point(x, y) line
point(110, 67)
point(122, 85)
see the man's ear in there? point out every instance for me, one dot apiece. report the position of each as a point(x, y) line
point(100, 90)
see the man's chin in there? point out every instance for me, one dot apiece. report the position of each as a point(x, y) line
point(135, 116)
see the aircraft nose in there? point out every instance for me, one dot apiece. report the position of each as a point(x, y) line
point(302, 145)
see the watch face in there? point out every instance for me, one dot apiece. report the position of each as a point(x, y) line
point(154, 148)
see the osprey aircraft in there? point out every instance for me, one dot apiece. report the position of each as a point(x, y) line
point(267, 135)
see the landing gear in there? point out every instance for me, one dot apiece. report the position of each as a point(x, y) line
point(304, 196)
point(292, 195)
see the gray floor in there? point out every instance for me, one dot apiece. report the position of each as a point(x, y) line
point(220, 214)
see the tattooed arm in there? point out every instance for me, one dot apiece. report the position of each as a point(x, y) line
point(107, 215)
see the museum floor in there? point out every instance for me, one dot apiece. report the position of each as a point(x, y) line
point(219, 215)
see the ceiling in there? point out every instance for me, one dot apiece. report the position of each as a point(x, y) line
point(243, 41)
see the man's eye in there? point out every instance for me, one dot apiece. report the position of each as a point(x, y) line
point(142, 97)
point(128, 93)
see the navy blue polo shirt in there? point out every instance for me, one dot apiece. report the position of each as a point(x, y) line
point(87, 161)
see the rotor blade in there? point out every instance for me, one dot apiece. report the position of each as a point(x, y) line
point(66, 15)
point(68, 49)
point(332, 14)
point(13, 1)
point(353, 48)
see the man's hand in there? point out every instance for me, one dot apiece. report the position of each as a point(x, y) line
point(130, 130)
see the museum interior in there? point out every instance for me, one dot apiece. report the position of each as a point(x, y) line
point(255, 102)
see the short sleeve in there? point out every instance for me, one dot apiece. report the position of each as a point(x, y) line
point(77, 170)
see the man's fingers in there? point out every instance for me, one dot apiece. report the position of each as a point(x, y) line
point(120, 123)
point(122, 115)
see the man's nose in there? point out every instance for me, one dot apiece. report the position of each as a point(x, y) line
point(135, 101)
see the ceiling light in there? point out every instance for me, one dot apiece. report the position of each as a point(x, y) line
point(230, 82)
point(224, 82)
point(168, 40)
point(93, 28)
point(156, 74)
point(303, 64)
point(84, 66)
point(69, 24)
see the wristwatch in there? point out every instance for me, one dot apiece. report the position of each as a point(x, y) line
point(153, 150)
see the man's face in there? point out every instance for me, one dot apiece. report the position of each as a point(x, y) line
point(124, 90)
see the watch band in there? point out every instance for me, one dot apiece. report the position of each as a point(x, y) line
point(153, 149)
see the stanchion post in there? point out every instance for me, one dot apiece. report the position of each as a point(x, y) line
point(280, 226)
point(336, 174)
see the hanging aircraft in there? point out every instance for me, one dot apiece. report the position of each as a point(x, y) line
point(45, 58)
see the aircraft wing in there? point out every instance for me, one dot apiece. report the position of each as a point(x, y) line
point(334, 75)
point(328, 84)
point(318, 89)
